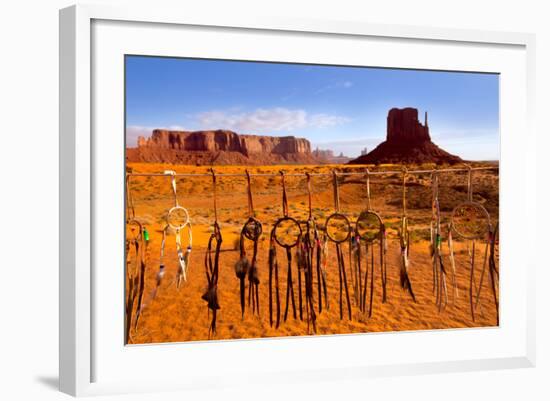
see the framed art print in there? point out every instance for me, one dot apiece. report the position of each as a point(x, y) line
point(303, 234)
point(301, 185)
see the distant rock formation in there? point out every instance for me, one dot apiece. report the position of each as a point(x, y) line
point(327, 156)
point(219, 147)
point(407, 141)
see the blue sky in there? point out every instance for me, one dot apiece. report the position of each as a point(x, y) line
point(335, 107)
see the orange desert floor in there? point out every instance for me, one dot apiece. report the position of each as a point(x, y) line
point(181, 315)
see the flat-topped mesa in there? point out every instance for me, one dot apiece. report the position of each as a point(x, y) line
point(223, 140)
point(219, 147)
point(403, 126)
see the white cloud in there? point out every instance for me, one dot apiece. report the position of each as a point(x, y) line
point(259, 121)
point(267, 120)
point(327, 120)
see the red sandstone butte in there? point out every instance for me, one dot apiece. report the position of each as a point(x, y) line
point(220, 147)
point(407, 141)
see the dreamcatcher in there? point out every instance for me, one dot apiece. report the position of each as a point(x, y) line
point(137, 239)
point(177, 220)
point(252, 230)
point(211, 264)
point(370, 230)
point(338, 230)
point(308, 250)
point(404, 241)
point(286, 233)
point(471, 221)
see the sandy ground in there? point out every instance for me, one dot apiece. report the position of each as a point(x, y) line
point(181, 314)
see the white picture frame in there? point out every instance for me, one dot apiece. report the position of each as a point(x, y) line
point(82, 348)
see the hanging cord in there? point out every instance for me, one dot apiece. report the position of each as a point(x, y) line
point(273, 280)
point(489, 259)
point(324, 265)
point(181, 274)
point(215, 196)
point(354, 265)
point(452, 258)
point(249, 195)
point(144, 261)
point(493, 272)
point(183, 255)
point(305, 256)
point(439, 272)
point(339, 254)
point(133, 277)
point(301, 263)
point(162, 268)
point(382, 249)
point(433, 224)
point(364, 234)
point(130, 210)
point(309, 197)
point(404, 241)
point(241, 269)
point(212, 264)
point(467, 229)
point(243, 265)
point(252, 231)
point(355, 250)
point(472, 252)
point(285, 200)
point(336, 191)
point(367, 183)
point(383, 263)
point(288, 245)
point(362, 287)
point(174, 190)
point(489, 245)
point(314, 246)
point(177, 228)
point(136, 275)
point(289, 286)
